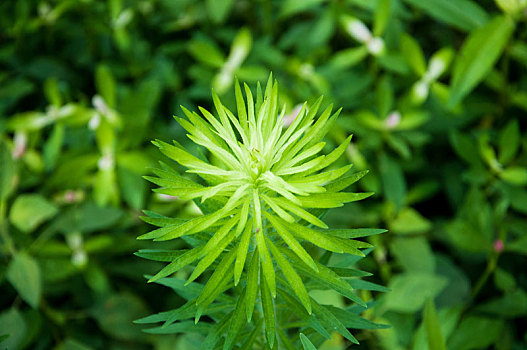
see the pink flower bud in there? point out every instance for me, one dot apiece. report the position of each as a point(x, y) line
point(498, 245)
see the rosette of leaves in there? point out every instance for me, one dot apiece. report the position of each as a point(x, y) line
point(262, 190)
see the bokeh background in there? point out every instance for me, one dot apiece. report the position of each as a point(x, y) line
point(434, 92)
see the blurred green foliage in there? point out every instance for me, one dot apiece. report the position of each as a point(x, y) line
point(435, 93)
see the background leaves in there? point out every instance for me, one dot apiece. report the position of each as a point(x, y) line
point(85, 85)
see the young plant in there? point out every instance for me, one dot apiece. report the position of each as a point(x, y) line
point(262, 191)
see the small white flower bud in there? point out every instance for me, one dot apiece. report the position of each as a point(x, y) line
point(359, 31)
point(393, 119)
point(79, 258)
point(106, 162)
point(436, 68)
point(74, 240)
point(94, 122)
point(99, 103)
point(420, 91)
point(20, 142)
point(375, 46)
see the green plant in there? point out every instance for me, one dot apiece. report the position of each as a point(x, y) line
point(263, 189)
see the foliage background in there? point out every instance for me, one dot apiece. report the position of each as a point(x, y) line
point(449, 169)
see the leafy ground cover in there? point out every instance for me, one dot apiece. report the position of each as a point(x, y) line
point(434, 93)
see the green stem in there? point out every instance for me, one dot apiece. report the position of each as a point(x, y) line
point(3, 228)
point(491, 266)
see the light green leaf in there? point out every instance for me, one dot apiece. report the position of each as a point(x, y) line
point(106, 85)
point(268, 311)
point(515, 175)
point(345, 182)
point(325, 276)
point(306, 343)
point(292, 242)
point(462, 14)
point(219, 276)
point(393, 180)
point(382, 16)
point(291, 7)
point(24, 274)
point(318, 238)
point(241, 253)
point(252, 285)
point(433, 327)
point(413, 254)
point(488, 331)
point(332, 199)
point(219, 10)
point(420, 286)
point(7, 172)
point(478, 55)
point(159, 254)
point(409, 221)
point(267, 262)
point(206, 52)
point(354, 232)
point(295, 282)
point(509, 142)
point(236, 323)
point(465, 147)
point(413, 54)
point(214, 335)
point(180, 262)
point(330, 322)
point(13, 325)
point(301, 213)
point(30, 210)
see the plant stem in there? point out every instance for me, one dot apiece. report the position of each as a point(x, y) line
point(3, 229)
point(491, 266)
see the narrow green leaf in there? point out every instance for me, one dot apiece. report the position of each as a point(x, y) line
point(328, 242)
point(413, 54)
point(248, 344)
point(241, 253)
point(306, 343)
point(214, 335)
point(215, 292)
point(509, 142)
point(240, 106)
point(332, 156)
point(433, 328)
point(180, 327)
point(478, 55)
point(180, 262)
point(267, 262)
point(326, 277)
point(292, 242)
point(160, 254)
point(345, 182)
point(217, 276)
point(301, 213)
point(382, 16)
point(331, 322)
point(252, 285)
point(462, 14)
point(7, 172)
point(332, 199)
point(290, 274)
point(355, 232)
point(268, 311)
point(237, 322)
